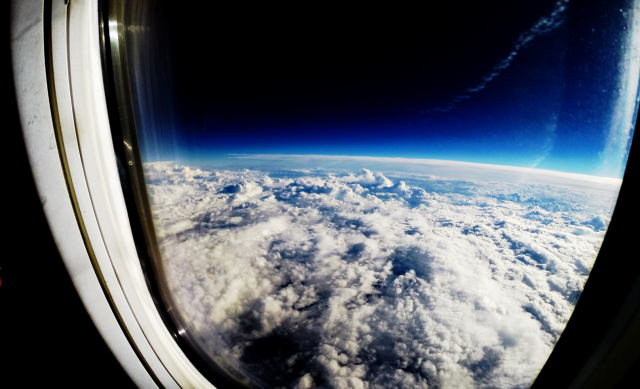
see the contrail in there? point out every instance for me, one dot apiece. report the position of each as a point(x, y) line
point(542, 26)
point(547, 146)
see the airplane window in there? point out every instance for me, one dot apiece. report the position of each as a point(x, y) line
point(371, 198)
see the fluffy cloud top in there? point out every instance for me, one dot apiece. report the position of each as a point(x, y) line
point(338, 279)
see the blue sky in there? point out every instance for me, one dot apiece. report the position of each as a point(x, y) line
point(533, 85)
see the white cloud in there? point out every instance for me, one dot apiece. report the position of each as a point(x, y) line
point(366, 177)
point(359, 279)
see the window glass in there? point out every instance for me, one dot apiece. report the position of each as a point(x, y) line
point(382, 197)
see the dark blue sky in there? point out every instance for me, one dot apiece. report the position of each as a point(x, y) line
point(382, 82)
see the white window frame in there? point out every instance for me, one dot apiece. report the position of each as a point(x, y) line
point(68, 138)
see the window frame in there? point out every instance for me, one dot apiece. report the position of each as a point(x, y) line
point(68, 140)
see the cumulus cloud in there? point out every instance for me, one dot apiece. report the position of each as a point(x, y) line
point(367, 178)
point(361, 279)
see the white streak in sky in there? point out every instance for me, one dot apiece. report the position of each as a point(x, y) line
point(542, 26)
point(547, 146)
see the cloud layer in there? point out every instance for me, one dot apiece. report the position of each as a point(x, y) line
point(359, 279)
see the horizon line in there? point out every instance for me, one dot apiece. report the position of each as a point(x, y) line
point(429, 161)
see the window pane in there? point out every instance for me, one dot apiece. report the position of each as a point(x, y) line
point(383, 198)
